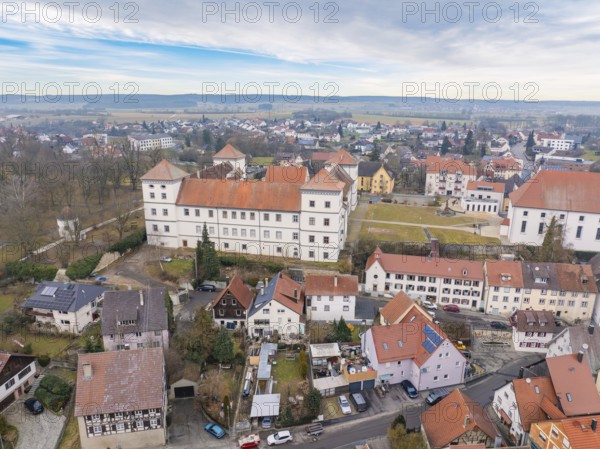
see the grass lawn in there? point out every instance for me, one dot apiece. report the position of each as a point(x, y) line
point(287, 374)
point(385, 232)
point(6, 303)
point(590, 155)
point(40, 343)
point(179, 268)
point(414, 214)
point(264, 161)
point(451, 236)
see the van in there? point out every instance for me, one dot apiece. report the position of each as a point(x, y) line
point(359, 402)
point(247, 386)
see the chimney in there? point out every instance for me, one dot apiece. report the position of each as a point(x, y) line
point(141, 298)
point(262, 291)
point(580, 356)
point(594, 424)
point(335, 280)
point(435, 248)
point(87, 370)
point(266, 281)
point(521, 371)
point(591, 328)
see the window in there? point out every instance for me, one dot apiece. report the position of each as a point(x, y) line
point(198, 229)
point(326, 256)
point(243, 232)
point(211, 230)
point(327, 204)
point(253, 233)
point(579, 230)
point(226, 231)
point(97, 429)
point(311, 239)
point(295, 218)
point(233, 215)
point(435, 378)
point(120, 426)
point(523, 226)
point(584, 304)
point(326, 308)
point(9, 384)
point(311, 204)
point(197, 211)
point(581, 218)
point(167, 228)
point(325, 239)
point(152, 211)
point(186, 212)
point(155, 228)
point(243, 215)
point(311, 255)
point(267, 234)
point(252, 215)
point(543, 215)
point(163, 196)
point(541, 228)
point(294, 236)
point(165, 212)
point(24, 372)
point(326, 222)
point(278, 217)
point(561, 216)
point(526, 213)
point(139, 424)
point(311, 221)
point(153, 422)
point(211, 214)
point(152, 195)
point(346, 308)
point(224, 214)
point(571, 303)
point(266, 217)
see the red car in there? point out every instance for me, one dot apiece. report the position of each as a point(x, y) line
point(451, 308)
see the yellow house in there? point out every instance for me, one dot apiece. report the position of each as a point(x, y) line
point(374, 178)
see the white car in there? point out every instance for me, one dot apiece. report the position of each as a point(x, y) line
point(432, 313)
point(344, 405)
point(165, 259)
point(283, 436)
point(429, 305)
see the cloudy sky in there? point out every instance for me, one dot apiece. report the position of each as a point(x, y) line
point(518, 50)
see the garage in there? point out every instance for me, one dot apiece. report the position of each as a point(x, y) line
point(184, 392)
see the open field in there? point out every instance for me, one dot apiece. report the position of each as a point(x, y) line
point(415, 214)
point(385, 232)
point(451, 236)
point(590, 155)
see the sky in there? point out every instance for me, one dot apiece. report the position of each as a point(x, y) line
point(518, 51)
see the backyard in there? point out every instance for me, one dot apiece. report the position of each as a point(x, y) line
point(415, 214)
point(287, 374)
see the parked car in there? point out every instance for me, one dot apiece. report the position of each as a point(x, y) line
point(429, 305)
point(206, 288)
point(215, 430)
point(436, 395)
point(498, 325)
point(249, 441)
point(410, 389)
point(283, 436)
point(451, 308)
point(267, 422)
point(466, 353)
point(344, 405)
point(431, 313)
point(34, 406)
point(460, 345)
point(359, 402)
point(165, 259)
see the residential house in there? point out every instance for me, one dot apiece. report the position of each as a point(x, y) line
point(135, 319)
point(574, 384)
point(278, 308)
point(230, 308)
point(231, 154)
point(560, 195)
point(397, 308)
point(432, 278)
point(448, 177)
point(502, 167)
point(522, 402)
point(121, 399)
point(483, 196)
point(504, 286)
point(375, 178)
point(17, 372)
point(69, 307)
point(573, 339)
point(331, 296)
point(571, 433)
point(413, 349)
point(533, 330)
point(457, 420)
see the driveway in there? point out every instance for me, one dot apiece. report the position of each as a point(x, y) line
point(197, 300)
point(35, 431)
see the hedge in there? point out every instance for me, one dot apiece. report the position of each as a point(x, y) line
point(84, 267)
point(133, 240)
point(53, 392)
point(24, 270)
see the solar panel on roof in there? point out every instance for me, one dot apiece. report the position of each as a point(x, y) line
point(432, 335)
point(429, 346)
point(49, 291)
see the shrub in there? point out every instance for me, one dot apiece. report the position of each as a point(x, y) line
point(132, 241)
point(44, 360)
point(274, 267)
point(27, 349)
point(84, 267)
point(252, 280)
point(24, 270)
point(53, 392)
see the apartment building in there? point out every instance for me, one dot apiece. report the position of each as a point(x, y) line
point(483, 196)
point(558, 144)
point(443, 281)
point(503, 293)
point(147, 142)
point(448, 177)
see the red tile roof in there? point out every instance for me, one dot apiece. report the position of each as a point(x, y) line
point(529, 394)
point(121, 381)
point(325, 284)
point(238, 290)
point(574, 385)
point(558, 190)
point(395, 310)
point(579, 433)
point(229, 152)
point(487, 186)
point(342, 157)
point(232, 194)
point(325, 180)
point(164, 171)
point(445, 421)
point(435, 164)
point(434, 266)
point(504, 273)
point(286, 174)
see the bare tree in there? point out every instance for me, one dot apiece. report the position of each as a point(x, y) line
point(132, 162)
point(124, 213)
point(155, 156)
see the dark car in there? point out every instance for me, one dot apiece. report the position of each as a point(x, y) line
point(498, 325)
point(410, 389)
point(34, 406)
point(206, 288)
point(215, 430)
point(451, 308)
point(466, 353)
point(436, 396)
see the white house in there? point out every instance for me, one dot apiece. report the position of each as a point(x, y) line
point(448, 177)
point(274, 217)
point(562, 195)
point(533, 330)
point(413, 349)
point(278, 307)
point(17, 371)
point(559, 144)
point(504, 287)
point(573, 339)
point(147, 142)
point(331, 296)
point(483, 196)
point(231, 154)
point(68, 307)
point(349, 165)
point(435, 279)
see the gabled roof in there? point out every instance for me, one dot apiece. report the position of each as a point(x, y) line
point(485, 186)
point(121, 381)
point(63, 297)
point(219, 171)
point(445, 421)
point(331, 285)
point(325, 180)
point(229, 152)
point(435, 164)
point(368, 169)
point(11, 364)
point(530, 394)
point(238, 290)
point(504, 273)
point(535, 321)
point(574, 385)
point(283, 290)
point(579, 336)
point(259, 195)
point(145, 307)
point(286, 174)
point(577, 430)
point(427, 266)
point(164, 171)
point(398, 306)
point(342, 157)
point(559, 190)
